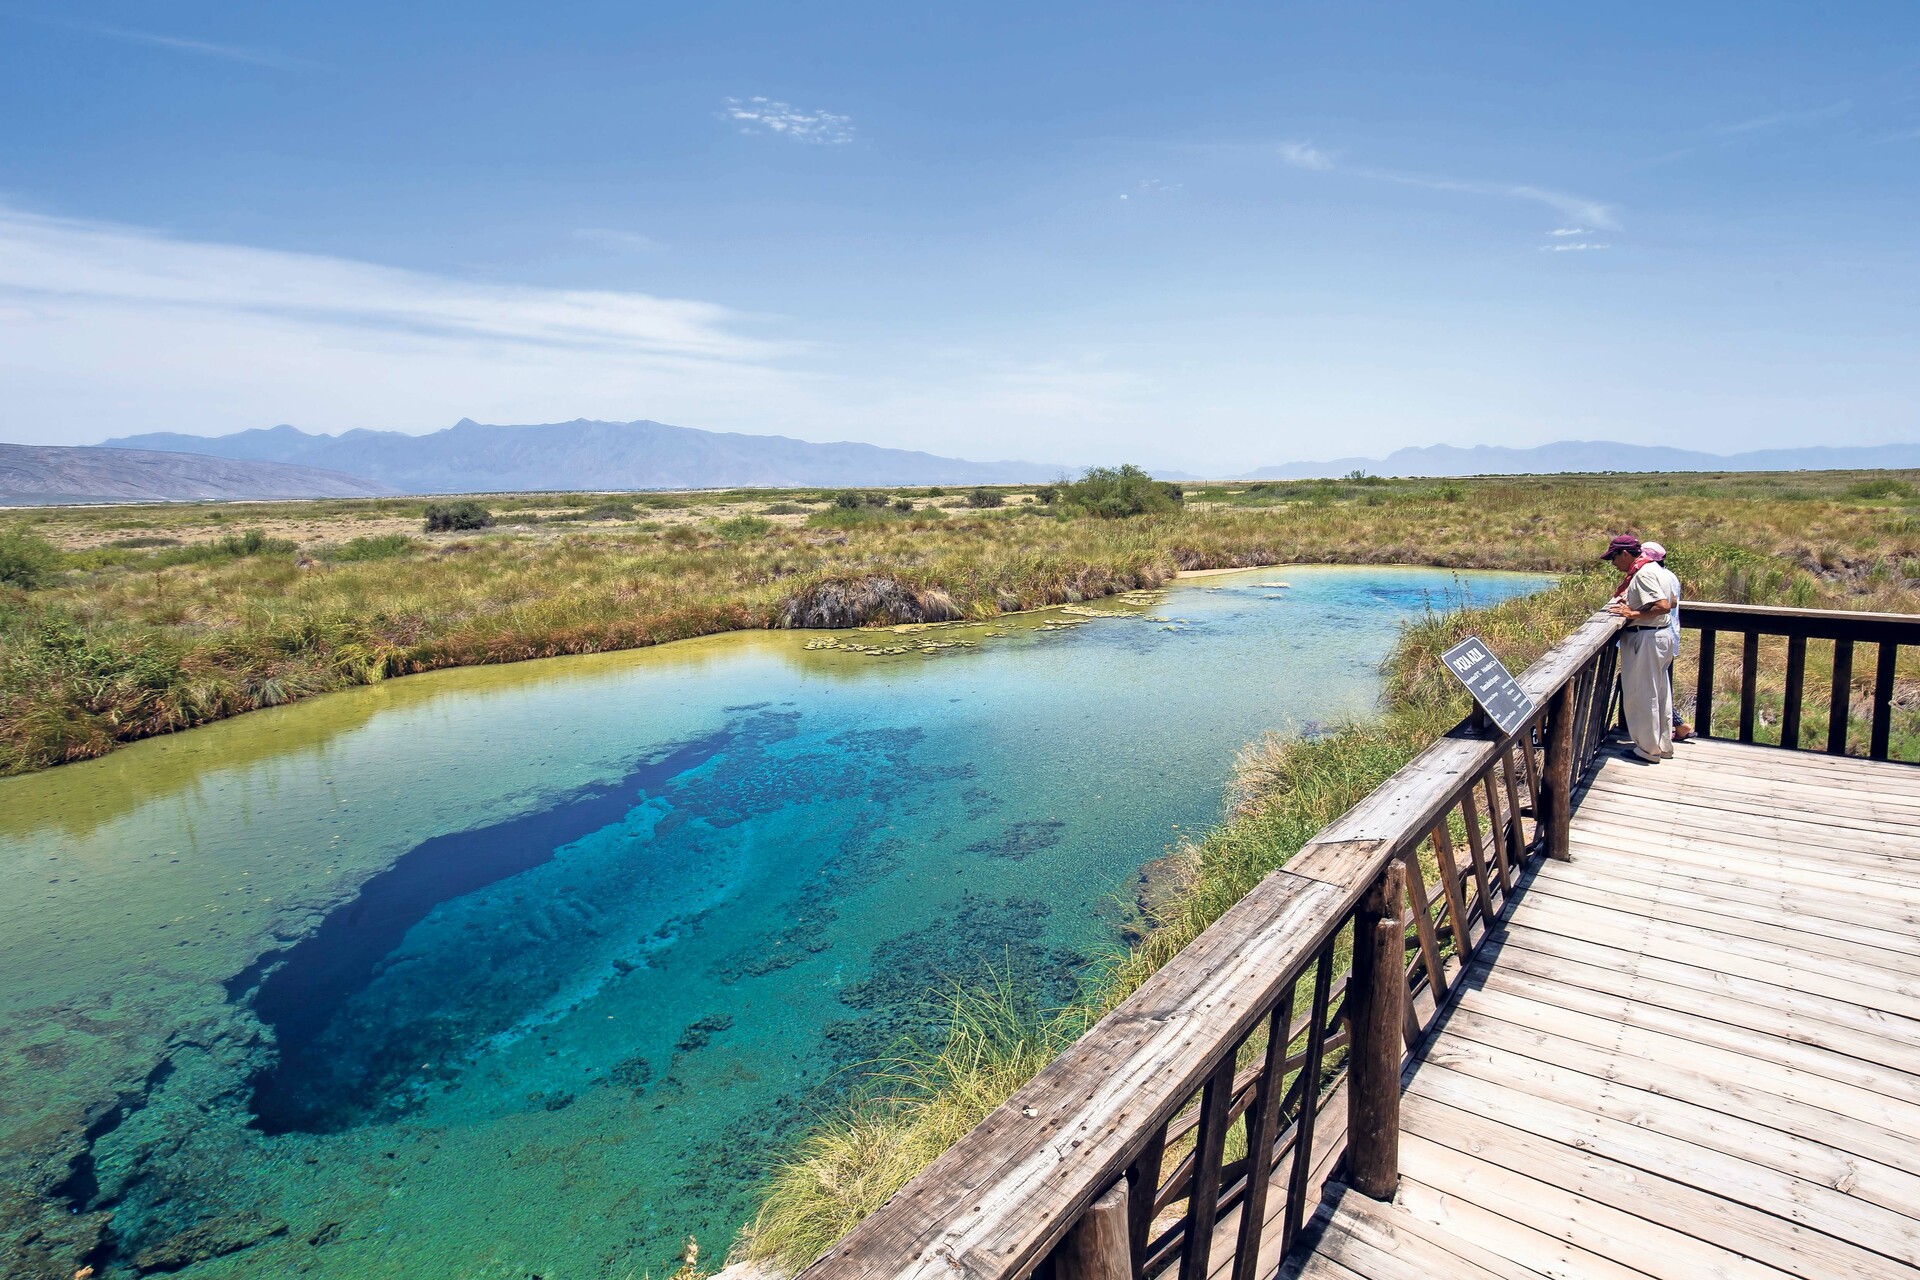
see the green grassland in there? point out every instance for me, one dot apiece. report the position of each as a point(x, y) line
point(117, 623)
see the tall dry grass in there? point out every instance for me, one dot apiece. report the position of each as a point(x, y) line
point(127, 642)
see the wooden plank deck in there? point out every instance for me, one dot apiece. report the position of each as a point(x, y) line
point(1695, 1052)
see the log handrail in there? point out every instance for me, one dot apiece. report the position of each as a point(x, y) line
point(1041, 1182)
point(1885, 631)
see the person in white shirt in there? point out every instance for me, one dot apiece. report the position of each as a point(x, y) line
point(1658, 554)
point(1646, 650)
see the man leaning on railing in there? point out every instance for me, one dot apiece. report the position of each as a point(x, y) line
point(1646, 649)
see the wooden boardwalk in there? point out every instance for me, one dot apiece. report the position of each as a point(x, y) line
point(1692, 1051)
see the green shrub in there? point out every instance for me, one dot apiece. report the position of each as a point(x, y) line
point(253, 542)
point(903, 505)
point(27, 560)
point(1113, 493)
point(740, 528)
point(1880, 487)
point(378, 547)
point(616, 510)
point(681, 535)
point(141, 543)
point(780, 509)
point(848, 500)
point(449, 517)
point(982, 498)
point(839, 517)
point(935, 491)
point(1047, 494)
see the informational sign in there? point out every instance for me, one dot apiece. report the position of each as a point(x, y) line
point(1497, 693)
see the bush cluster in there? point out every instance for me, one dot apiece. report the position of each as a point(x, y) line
point(1114, 493)
point(740, 528)
point(27, 560)
point(450, 517)
point(383, 546)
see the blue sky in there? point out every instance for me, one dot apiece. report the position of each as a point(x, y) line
point(1206, 237)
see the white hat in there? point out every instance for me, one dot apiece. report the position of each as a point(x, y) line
point(1653, 551)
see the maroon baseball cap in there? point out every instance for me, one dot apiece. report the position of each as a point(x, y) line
point(1621, 542)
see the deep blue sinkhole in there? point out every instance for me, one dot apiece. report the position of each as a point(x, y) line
point(300, 990)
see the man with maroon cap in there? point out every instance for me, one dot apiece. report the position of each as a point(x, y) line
point(1646, 650)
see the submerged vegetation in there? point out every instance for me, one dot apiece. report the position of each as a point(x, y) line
point(120, 623)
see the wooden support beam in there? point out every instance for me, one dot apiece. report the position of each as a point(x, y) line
point(1840, 705)
point(1796, 683)
point(1556, 788)
point(1309, 1086)
point(1883, 701)
point(1203, 1197)
point(1097, 1247)
point(1374, 996)
point(1703, 692)
point(1143, 1181)
point(1263, 1126)
point(1749, 682)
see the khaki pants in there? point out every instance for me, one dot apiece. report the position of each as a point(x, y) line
point(1645, 693)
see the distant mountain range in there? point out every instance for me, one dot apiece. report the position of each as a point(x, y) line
point(1594, 455)
point(49, 475)
point(470, 457)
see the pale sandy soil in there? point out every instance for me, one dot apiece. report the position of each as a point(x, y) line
point(1214, 573)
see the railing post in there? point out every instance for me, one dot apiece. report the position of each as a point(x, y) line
point(1556, 789)
point(1096, 1248)
point(1376, 992)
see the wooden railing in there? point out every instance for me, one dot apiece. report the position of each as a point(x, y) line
point(1841, 631)
point(1189, 1132)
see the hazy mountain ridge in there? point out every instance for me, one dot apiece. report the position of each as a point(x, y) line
point(52, 475)
point(471, 457)
point(1595, 455)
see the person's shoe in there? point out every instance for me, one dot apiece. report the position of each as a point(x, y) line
point(1648, 756)
point(1667, 754)
point(1681, 732)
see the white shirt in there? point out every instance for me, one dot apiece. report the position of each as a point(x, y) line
point(1671, 584)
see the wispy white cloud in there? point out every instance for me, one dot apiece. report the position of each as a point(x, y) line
point(616, 241)
point(57, 258)
point(122, 325)
point(1152, 187)
point(1302, 155)
point(179, 44)
point(765, 115)
point(1571, 206)
point(1568, 231)
point(1574, 247)
point(1784, 119)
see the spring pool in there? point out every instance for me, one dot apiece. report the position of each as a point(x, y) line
point(529, 970)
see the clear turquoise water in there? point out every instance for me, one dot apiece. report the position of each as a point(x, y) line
point(528, 970)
